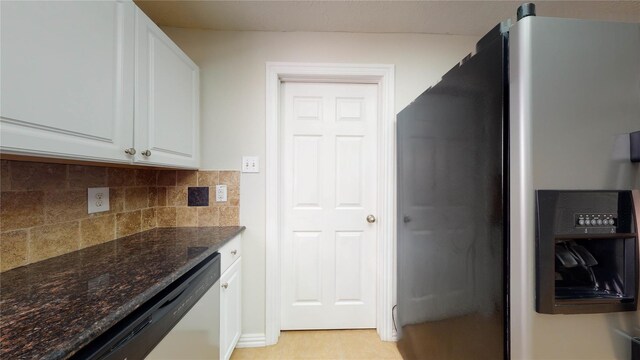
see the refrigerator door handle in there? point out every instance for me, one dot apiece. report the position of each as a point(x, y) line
point(635, 195)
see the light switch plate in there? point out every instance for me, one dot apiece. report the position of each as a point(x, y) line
point(221, 193)
point(250, 164)
point(98, 199)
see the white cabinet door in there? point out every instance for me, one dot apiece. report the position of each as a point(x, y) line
point(230, 309)
point(167, 99)
point(67, 79)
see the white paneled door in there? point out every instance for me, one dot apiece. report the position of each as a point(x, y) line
point(329, 154)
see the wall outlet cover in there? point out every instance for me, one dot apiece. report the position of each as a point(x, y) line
point(221, 193)
point(250, 164)
point(97, 199)
point(198, 196)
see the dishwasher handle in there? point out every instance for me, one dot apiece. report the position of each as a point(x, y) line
point(131, 336)
point(156, 319)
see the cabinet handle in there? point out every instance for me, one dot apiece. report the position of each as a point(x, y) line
point(146, 153)
point(233, 252)
point(130, 151)
point(225, 285)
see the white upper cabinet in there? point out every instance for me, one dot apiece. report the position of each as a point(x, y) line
point(96, 81)
point(167, 99)
point(67, 79)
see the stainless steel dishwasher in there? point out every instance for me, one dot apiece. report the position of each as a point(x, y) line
point(181, 322)
point(197, 335)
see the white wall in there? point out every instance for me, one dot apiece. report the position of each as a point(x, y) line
point(232, 68)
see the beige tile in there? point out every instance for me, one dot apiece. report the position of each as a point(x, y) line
point(261, 353)
point(116, 200)
point(229, 215)
point(52, 240)
point(187, 178)
point(153, 196)
point(128, 223)
point(136, 198)
point(21, 209)
point(38, 176)
point(5, 175)
point(146, 177)
point(66, 205)
point(97, 230)
point(233, 195)
point(186, 216)
point(166, 216)
point(208, 216)
point(14, 249)
point(166, 178)
point(121, 177)
point(326, 344)
point(362, 344)
point(162, 196)
point(148, 219)
point(208, 178)
point(229, 178)
point(82, 176)
point(177, 196)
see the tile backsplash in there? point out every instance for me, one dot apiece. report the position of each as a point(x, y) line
point(43, 206)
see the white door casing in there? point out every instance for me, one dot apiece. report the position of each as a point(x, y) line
point(329, 188)
point(383, 76)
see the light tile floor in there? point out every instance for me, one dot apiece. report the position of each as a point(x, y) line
point(325, 344)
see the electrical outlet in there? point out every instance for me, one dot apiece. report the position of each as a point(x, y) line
point(97, 199)
point(250, 164)
point(221, 193)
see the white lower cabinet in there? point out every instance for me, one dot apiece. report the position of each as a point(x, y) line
point(230, 309)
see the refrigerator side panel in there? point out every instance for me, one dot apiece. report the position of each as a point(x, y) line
point(451, 295)
point(575, 97)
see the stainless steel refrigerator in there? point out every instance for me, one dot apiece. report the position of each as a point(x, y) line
point(546, 103)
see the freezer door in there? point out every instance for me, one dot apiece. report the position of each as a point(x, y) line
point(452, 242)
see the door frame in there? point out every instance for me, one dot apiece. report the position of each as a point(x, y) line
point(383, 76)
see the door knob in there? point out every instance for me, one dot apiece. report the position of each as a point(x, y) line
point(406, 219)
point(371, 219)
point(146, 153)
point(130, 151)
point(225, 285)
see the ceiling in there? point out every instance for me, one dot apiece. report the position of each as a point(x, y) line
point(432, 17)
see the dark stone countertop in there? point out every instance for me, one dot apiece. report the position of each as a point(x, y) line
point(52, 308)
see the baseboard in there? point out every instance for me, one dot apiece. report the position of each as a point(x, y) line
point(252, 340)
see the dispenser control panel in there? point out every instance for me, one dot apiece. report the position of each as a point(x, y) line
point(595, 220)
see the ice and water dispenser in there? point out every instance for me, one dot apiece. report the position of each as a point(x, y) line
point(586, 251)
